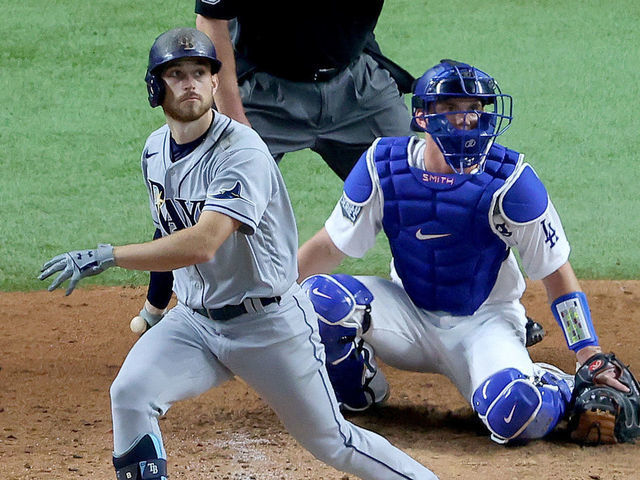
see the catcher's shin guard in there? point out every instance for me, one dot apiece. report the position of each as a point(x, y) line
point(342, 304)
point(357, 381)
point(143, 461)
point(600, 414)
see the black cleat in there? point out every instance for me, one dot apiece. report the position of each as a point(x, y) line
point(535, 332)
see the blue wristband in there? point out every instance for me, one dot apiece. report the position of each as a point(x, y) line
point(573, 315)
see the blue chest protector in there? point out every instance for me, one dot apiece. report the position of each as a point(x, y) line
point(444, 249)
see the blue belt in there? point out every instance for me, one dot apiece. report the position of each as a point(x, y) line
point(232, 311)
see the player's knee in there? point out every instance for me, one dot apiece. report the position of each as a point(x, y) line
point(342, 304)
point(144, 460)
point(515, 406)
point(126, 394)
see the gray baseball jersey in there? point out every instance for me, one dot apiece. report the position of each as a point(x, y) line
point(230, 172)
point(275, 349)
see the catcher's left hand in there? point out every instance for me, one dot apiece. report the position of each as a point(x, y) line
point(600, 413)
point(77, 264)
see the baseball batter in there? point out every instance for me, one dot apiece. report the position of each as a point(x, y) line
point(453, 206)
point(229, 235)
point(316, 81)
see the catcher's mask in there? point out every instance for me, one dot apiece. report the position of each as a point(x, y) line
point(461, 148)
point(173, 45)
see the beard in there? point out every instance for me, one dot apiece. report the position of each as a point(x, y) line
point(187, 111)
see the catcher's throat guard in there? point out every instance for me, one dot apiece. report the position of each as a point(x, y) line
point(602, 414)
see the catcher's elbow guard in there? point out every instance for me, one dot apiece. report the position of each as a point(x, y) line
point(572, 314)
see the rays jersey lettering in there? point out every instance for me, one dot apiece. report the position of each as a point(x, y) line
point(174, 213)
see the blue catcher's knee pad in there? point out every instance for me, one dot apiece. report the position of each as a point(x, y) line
point(515, 406)
point(145, 460)
point(342, 304)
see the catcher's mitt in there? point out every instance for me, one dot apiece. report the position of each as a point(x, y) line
point(602, 414)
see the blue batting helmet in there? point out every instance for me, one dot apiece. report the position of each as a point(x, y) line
point(461, 148)
point(173, 45)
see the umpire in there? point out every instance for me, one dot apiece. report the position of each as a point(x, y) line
point(307, 75)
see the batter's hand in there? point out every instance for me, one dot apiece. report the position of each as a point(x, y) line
point(151, 316)
point(77, 264)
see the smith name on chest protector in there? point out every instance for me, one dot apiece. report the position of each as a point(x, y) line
point(443, 247)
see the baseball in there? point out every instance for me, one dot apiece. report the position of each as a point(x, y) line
point(138, 325)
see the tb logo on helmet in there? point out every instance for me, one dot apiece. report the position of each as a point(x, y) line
point(186, 43)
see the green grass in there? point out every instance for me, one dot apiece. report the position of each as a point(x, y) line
point(75, 117)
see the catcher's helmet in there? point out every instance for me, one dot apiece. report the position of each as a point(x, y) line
point(461, 148)
point(172, 45)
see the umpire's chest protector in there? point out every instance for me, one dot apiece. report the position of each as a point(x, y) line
point(444, 249)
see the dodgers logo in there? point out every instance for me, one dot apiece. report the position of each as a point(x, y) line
point(550, 234)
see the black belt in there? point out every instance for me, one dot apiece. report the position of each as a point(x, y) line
point(232, 311)
point(317, 75)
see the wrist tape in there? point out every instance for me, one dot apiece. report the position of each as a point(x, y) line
point(573, 315)
point(150, 318)
point(104, 256)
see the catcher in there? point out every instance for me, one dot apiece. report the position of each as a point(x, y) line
point(454, 207)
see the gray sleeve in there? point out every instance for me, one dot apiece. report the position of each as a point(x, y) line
point(242, 187)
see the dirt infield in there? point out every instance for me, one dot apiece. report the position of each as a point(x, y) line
point(58, 356)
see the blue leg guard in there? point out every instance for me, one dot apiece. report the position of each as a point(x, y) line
point(514, 406)
point(143, 461)
point(342, 304)
point(356, 380)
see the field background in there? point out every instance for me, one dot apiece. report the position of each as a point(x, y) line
point(73, 121)
point(75, 117)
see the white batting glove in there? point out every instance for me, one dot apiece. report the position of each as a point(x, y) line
point(78, 264)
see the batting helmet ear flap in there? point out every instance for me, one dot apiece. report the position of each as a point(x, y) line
point(155, 88)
